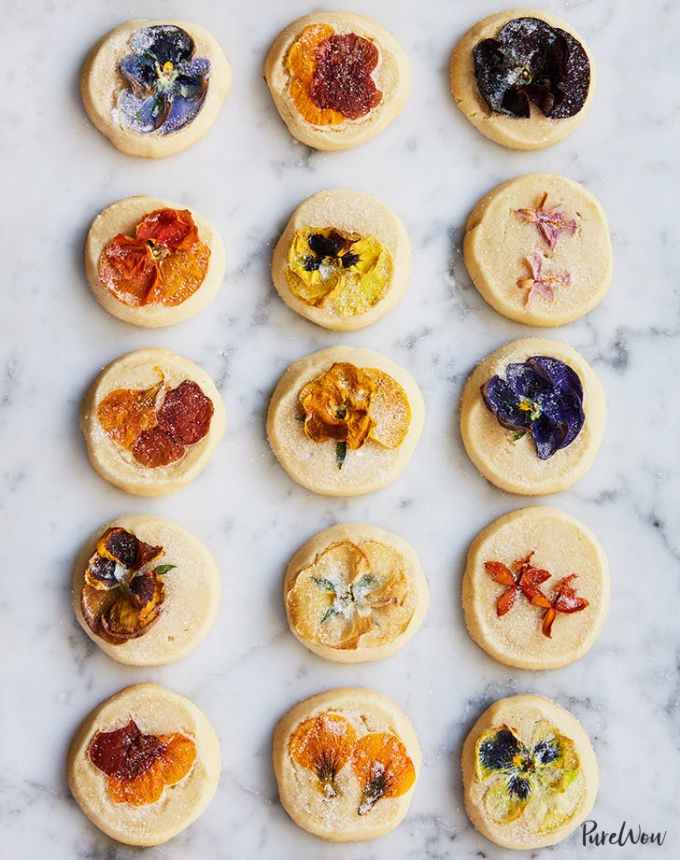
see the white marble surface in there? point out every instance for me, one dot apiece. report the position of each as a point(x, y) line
point(431, 166)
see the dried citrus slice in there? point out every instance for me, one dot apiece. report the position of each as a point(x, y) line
point(383, 768)
point(390, 410)
point(324, 745)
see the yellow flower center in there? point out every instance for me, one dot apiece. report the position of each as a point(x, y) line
point(168, 66)
point(517, 760)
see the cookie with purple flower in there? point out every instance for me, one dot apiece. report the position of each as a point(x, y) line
point(537, 248)
point(155, 87)
point(524, 79)
point(532, 417)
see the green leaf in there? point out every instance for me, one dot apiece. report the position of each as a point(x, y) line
point(163, 568)
point(340, 453)
point(331, 612)
point(518, 434)
point(365, 583)
point(324, 583)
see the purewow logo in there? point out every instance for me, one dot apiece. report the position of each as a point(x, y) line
point(593, 834)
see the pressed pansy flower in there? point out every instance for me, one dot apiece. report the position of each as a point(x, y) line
point(383, 768)
point(352, 596)
point(323, 745)
point(139, 767)
point(167, 84)
point(347, 271)
point(331, 75)
point(351, 405)
point(564, 599)
point(540, 781)
point(156, 424)
point(164, 263)
point(540, 283)
point(550, 221)
point(542, 396)
point(122, 592)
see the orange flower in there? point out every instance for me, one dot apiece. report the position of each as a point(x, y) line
point(138, 766)
point(336, 405)
point(324, 745)
point(125, 413)
point(164, 264)
point(301, 64)
point(383, 768)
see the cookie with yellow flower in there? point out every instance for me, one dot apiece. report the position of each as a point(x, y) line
point(346, 764)
point(530, 775)
point(153, 263)
point(345, 421)
point(337, 79)
point(355, 593)
point(144, 765)
point(343, 260)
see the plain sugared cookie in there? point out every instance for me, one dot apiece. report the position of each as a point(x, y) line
point(155, 87)
point(151, 421)
point(536, 589)
point(337, 79)
point(343, 261)
point(153, 263)
point(523, 78)
point(346, 763)
point(538, 250)
point(144, 765)
point(530, 775)
point(532, 416)
point(145, 590)
point(345, 421)
point(355, 593)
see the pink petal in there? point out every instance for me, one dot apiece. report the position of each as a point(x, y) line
point(535, 262)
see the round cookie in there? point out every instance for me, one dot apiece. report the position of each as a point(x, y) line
point(343, 261)
point(517, 121)
point(337, 79)
point(144, 765)
point(530, 775)
point(357, 428)
point(538, 250)
point(354, 593)
point(151, 421)
point(145, 590)
point(536, 589)
point(179, 255)
point(346, 763)
point(544, 395)
point(155, 87)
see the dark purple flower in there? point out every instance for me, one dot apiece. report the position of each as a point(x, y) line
point(531, 61)
point(543, 396)
point(167, 85)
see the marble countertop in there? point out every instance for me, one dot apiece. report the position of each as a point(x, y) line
point(430, 166)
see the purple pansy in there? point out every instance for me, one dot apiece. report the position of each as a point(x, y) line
point(167, 84)
point(541, 395)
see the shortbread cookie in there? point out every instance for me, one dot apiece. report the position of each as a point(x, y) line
point(153, 263)
point(523, 78)
point(355, 593)
point(538, 250)
point(536, 589)
point(155, 87)
point(345, 421)
point(530, 775)
point(144, 765)
point(532, 416)
point(337, 79)
point(145, 590)
point(151, 421)
point(343, 261)
point(346, 764)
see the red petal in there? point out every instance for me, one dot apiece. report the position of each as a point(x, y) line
point(499, 572)
point(506, 601)
point(173, 228)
